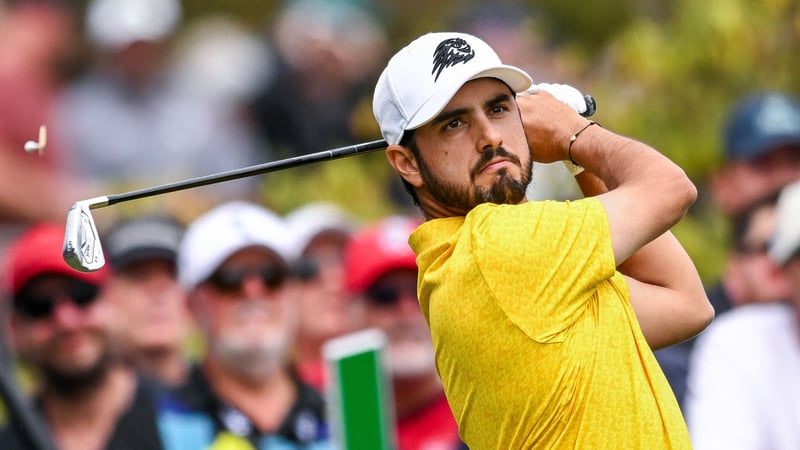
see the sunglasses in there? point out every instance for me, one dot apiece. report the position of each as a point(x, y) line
point(752, 249)
point(231, 280)
point(41, 305)
point(390, 294)
point(305, 269)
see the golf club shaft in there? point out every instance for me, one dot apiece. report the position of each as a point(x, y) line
point(258, 169)
point(263, 168)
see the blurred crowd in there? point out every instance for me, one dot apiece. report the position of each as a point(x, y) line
point(214, 306)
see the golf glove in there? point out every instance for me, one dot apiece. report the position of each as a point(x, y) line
point(564, 93)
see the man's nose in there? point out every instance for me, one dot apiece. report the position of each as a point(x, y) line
point(489, 137)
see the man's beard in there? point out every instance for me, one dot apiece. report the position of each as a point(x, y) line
point(253, 357)
point(71, 383)
point(410, 351)
point(505, 190)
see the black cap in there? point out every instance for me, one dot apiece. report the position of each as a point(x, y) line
point(142, 238)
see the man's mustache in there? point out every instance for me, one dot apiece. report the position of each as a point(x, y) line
point(490, 155)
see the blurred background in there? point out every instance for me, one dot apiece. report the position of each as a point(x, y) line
point(278, 78)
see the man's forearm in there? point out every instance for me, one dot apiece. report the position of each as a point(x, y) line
point(665, 318)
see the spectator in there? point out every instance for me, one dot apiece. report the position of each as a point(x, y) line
point(381, 273)
point(750, 277)
point(324, 312)
point(154, 318)
point(60, 325)
point(127, 125)
point(762, 151)
point(761, 139)
point(321, 75)
point(742, 386)
point(233, 261)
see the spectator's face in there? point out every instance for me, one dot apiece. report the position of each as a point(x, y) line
point(741, 183)
point(147, 295)
point(324, 308)
point(752, 277)
point(61, 326)
point(475, 151)
point(246, 310)
point(391, 305)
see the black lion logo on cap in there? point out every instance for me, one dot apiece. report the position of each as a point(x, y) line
point(449, 53)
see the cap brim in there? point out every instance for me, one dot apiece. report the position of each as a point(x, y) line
point(758, 146)
point(141, 254)
point(514, 77)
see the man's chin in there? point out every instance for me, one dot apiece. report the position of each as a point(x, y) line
point(409, 359)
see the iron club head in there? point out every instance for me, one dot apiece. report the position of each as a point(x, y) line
point(82, 249)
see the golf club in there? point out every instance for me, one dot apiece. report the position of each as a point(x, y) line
point(82, 249)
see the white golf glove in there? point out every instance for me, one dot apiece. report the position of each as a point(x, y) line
point(565, 93)
point(569, 96)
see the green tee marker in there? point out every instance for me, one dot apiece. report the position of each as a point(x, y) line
point(360, 405)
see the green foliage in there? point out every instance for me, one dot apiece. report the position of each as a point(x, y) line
point(671, 80)
point(360, 184)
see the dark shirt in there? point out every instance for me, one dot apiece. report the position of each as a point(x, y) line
point(194, 416)
point(135, 430)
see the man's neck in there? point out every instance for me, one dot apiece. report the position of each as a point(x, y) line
point(266, 401)
point(85, 421)
point(167, 365)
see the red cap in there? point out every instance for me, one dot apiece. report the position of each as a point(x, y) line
point(377, 249)
point(37, 251)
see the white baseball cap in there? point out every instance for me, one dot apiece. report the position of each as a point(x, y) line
point(313, 219)
point(114, 24)
point(787, 233)
point(422, 77)
point(213, 237)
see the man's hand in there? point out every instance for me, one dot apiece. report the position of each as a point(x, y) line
point(548, 124)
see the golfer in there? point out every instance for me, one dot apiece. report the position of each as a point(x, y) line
point(544, 315)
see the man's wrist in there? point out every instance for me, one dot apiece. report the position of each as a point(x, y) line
point(574, 138)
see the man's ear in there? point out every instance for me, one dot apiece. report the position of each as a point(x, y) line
point(404, 163)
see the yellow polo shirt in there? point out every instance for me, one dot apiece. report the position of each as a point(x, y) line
point(536, 340)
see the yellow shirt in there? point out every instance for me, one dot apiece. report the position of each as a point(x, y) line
point(536, 341)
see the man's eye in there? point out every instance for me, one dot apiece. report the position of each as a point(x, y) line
point(453, 123)
point(498, 109)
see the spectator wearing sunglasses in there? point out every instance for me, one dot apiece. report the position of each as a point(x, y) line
point(381, 274)
point(322, 230)
point(234, 263)
point(154, 324)
point(60, 326)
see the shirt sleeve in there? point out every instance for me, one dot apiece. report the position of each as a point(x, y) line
point(543, 261)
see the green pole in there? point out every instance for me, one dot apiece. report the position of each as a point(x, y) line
point(360, 403)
